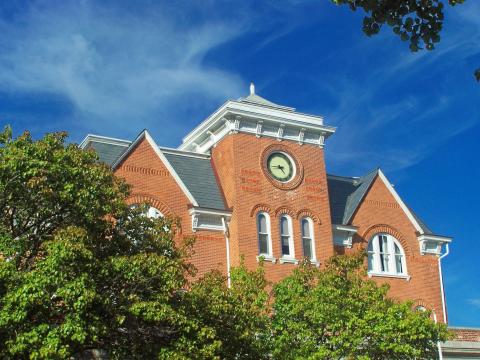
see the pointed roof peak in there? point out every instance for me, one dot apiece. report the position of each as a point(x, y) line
point(258, 100)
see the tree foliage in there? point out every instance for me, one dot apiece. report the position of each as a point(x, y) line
point(336, 314)
point(417, 21)
point(81, 270)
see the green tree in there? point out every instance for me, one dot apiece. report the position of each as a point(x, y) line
point(81, 270)
point(417, 21)
point(239, 316)
point(335, 313)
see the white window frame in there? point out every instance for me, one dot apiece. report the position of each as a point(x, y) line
point(151, 213)
point(313, 260)
point(266, 256)
point(291, 244)
point(391, 257)
point(154, 213)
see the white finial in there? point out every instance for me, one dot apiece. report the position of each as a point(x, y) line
point(252, 88)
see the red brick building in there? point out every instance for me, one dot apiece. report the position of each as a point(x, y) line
point(250, 180)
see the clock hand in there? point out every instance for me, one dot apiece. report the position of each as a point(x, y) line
point(280, 167)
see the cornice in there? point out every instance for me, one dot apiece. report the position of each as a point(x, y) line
point(236, 116)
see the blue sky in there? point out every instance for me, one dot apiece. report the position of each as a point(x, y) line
point(115, 68)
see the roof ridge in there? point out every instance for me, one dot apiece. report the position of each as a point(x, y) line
point(357, 197)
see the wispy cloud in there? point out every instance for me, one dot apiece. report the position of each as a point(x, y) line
point(115, 66)
point(377, 127)
point(474, 302)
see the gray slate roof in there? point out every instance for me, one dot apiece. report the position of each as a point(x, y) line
point(258, 100)
point(198, 176)
point(107, 153)
point(346, 194)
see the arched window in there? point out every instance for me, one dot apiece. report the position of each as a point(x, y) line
point(286, 237)
point(308, 244)
point(386, 256)
point(420, 308)
point(150, 212)
point(153, 213)
point(263, 228)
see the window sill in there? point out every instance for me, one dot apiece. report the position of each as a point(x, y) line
point(285, 260)
point(315, 262)
point(387, 275)
point(266, 258)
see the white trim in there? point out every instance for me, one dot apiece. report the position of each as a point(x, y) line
point(193, 154)
point(256, 112)
point(437, 238)
point(348, 228)
point(103, 140)
point(291, 242)
point(345, 231)
point(313, 260)
point(269, 235)
point(205, 211)
point(387, 275)
point(444, 306)
point(405, 209)
point(266, 258)
point(227, 247)
point(195, 213)
point(288, 260)
point(392, 257)
point(438, 241)
point(156, 149)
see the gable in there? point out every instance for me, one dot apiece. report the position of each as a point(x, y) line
point(383, 203)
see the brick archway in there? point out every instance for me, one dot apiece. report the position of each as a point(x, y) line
point(285, 210)
point(151, 200)
point(386, 229)
point(308, 213)
point(260, 207)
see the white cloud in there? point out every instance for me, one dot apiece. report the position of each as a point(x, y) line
point(116, 68)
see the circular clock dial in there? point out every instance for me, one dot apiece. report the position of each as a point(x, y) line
point(280, 166)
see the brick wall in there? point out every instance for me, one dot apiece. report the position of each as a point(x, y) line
point(151, 181)
point(466, 334)
point(379, 212)
point(237, 162)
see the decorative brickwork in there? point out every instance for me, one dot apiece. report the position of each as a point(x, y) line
point(466, 334)
point(307, 213)
point(152, 201)
point(284, 210)
point(260, 207)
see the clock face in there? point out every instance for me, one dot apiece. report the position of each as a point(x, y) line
point(280, 166)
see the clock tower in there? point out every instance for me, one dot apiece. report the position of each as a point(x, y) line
point(269, 163)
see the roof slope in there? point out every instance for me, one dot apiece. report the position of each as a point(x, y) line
point(346, 194)
point(107, 153)
point(198, 176)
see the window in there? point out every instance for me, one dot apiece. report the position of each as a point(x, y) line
point(385, 256)
point(286, 237)
point(151, 212)
point(263, 228)
point(307, 239)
